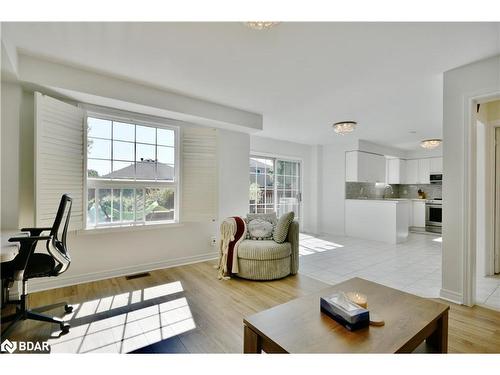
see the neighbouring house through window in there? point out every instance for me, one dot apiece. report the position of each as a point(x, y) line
point(275, 186)
point(132, 172)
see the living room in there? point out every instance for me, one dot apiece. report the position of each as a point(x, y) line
point(198, 187)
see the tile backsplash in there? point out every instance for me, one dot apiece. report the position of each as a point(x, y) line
point(368, 190)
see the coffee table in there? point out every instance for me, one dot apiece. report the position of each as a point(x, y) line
point(411, 324)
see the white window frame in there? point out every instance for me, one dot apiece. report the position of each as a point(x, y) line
point(275, 157)
point(142, 120)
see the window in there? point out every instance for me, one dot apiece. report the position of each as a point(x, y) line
point(274, 185)
point(132, 172)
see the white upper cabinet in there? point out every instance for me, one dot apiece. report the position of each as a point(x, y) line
point(411, 172)
point(395, 171)
point(418, 170)
point(436, 165)
point(365, 167)
point(424, 171)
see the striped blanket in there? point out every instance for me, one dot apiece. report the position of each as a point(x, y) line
point(232, 231)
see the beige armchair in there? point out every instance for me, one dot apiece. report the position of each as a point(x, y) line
point(269, 260)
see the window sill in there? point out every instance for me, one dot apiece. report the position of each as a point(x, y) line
point(128, 228)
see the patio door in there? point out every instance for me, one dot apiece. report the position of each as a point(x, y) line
point(275, 186)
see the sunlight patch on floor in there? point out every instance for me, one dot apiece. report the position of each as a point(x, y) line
point(125, 332)
point(312, 245)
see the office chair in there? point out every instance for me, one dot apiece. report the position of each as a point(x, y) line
point(28, 265)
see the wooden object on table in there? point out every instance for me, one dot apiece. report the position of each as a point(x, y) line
point(299, 326)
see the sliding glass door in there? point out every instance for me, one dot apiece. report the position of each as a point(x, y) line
point(275, 186)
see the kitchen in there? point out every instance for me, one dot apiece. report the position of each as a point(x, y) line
point(387, 197)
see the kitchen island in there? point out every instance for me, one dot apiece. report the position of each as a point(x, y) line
point(385, 220)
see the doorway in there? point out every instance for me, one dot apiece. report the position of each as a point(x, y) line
point(487, 204)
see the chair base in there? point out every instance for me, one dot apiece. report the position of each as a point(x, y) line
point(22, 313)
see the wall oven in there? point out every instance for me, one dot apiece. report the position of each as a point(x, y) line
point(433, 216)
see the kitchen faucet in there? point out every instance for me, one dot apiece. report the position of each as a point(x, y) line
point(392, 190)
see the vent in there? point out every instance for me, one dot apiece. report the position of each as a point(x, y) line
point(137, 276)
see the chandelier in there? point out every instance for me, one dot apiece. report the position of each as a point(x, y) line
point(344, 127)
point(430, 143)
point(260, 25)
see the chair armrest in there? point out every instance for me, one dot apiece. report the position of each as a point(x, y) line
point(29, 238)
point(35, 231)
point(293, 238)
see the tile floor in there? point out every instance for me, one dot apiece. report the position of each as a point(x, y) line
point(488, 291)
point(413, 266)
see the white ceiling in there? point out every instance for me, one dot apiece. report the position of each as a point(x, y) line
point(301, 76)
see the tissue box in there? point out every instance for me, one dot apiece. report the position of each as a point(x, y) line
point(338, 307)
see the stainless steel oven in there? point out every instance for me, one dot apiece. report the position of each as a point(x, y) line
point(433, 216)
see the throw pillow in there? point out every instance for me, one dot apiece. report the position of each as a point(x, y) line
point(269, 217)
point(281, 229)
point(260, 229)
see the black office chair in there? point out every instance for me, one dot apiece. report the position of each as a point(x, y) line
point(28, 265)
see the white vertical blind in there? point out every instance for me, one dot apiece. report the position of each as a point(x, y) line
point(199, 174)
point(59, 164)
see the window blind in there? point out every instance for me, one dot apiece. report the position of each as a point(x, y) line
point(58, 159)
point(199, 174)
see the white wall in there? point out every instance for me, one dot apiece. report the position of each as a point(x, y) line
point(461, 84)
point(308, 155)
point(11, 95)
point(332, 188)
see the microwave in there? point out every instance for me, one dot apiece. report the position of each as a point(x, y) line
point(436, 178)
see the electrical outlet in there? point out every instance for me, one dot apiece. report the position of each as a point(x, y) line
point(213, 240)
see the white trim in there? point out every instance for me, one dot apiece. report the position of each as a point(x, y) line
point(451, 296)
point(489, 268)
point(61, 281)
point(129, 228)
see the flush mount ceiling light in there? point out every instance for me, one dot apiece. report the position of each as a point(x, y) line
point(344, 127)
point(260, 25)
point(430, 143)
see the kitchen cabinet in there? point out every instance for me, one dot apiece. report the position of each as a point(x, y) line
point(424, 171)
point(395, 171)
point(418, 214)
point(436, 165)
point(364, 167)
point(418, 170)
point(411, 171)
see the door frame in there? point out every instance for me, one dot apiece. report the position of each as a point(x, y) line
point(469, 198)
point(301, 183)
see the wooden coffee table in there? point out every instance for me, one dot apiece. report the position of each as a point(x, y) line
point(411, 324)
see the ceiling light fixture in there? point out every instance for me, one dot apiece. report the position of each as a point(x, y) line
point(260, 25)
point(430, 143)
point(344, 127)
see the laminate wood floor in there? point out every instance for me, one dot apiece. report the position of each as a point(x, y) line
point(187, 310)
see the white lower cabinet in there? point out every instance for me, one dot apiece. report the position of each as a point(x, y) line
point(418, 214)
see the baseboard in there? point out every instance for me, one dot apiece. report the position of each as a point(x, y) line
point(61, 281)
point(451, 296)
